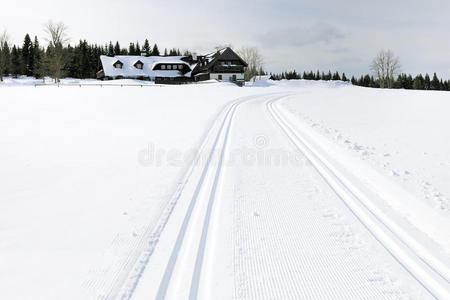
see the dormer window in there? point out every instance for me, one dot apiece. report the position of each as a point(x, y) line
point(163, 67)
point(118, 64)
point(139, 65)
point(169, 67)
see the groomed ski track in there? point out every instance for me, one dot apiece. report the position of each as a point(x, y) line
point(291, 228)
point(429, 270)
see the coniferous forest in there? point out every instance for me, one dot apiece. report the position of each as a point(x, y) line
point(402, 81)
point(82, 60)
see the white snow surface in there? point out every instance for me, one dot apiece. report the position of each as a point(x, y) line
point(301, 189)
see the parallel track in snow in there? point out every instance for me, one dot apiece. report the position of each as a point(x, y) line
point(182, 276)
point(187, 268)
point(128, 272)
point(427, 269)
point(177, 266)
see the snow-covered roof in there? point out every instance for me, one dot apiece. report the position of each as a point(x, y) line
point(211, 56)
point(129, 70)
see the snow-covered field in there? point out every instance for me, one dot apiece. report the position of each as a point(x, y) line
point(300, 190)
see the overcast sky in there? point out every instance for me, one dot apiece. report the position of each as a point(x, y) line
point(290, 34)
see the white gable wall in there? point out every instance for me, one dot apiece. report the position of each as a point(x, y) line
point(227, 76)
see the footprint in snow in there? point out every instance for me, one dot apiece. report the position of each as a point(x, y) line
point(255, 214)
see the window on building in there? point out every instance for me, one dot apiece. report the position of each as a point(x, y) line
point(163, 67)
point(169, 67)
point(180, 67)
point(219, 77)
point(229, 63)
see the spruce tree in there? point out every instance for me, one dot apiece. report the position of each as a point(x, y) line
point(117, 50)
point(155, 51)
point(361, 81)
point(435, 83)
point(27, 57)
point(409, 82)
point(138, 49)
point(344, 78)
point(5, 60)
point(368, 81)
point(336, 76)
point(418, 82)
point(427, 82)
point(132, 49)
point(446, 85)
point(110, 49)
point(37, 59)
point(85, 67)
point(16, 62)
point(146, 48)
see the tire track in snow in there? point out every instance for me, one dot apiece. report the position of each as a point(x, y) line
point(423, 266)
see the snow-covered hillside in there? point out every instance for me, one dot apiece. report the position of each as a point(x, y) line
point(301, 189)
point(401, 134)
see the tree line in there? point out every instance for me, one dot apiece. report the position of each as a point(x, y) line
point(402, 81)
point(386, 74)
point(61, 59)
point(309, 76)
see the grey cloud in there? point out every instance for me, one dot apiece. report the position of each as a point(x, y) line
point(301, 36)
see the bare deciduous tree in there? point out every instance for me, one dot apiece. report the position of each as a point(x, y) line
point(254, 60)
point(56, 33)
point(56, 37)
point(385, 66)
point(4, 50)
